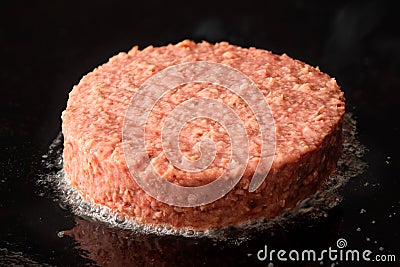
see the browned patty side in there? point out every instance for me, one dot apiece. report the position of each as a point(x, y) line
point(307, 106)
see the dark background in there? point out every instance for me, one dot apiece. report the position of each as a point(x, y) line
point(47, 46)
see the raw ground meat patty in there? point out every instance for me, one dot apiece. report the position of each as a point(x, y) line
point(307, 107)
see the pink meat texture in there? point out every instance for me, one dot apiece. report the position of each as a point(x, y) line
point(307, 107)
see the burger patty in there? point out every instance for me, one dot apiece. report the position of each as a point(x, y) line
point(307, 107)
